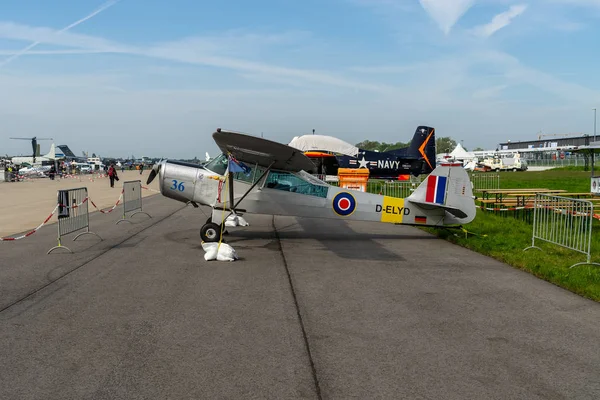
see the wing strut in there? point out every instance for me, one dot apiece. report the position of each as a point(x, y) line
point(230, 179)
point(232, 210)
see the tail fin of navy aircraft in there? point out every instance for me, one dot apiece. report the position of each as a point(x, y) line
point(448, 187)
point(422, 147)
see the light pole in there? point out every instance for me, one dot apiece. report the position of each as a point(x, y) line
point(594, 124)
point(593, 155)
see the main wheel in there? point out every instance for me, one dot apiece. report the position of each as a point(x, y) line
point(209, 221)
point(210, 232)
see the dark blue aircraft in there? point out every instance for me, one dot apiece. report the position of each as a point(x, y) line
point(417, 159)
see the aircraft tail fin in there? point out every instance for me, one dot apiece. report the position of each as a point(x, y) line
point(450, 188)
point(52, 153)
point(422, 148)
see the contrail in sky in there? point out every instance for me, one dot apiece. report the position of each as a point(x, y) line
point(106, 5)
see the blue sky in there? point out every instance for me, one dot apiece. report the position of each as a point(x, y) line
point(156, 78)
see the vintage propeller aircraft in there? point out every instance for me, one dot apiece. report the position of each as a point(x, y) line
point(330, 154)
point(258, 176)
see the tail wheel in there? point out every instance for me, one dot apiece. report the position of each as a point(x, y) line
point(210, 232)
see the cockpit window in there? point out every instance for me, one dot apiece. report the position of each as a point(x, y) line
point(296, 183)
point(218, 165)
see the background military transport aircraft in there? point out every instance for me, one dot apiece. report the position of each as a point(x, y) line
point(259, 176)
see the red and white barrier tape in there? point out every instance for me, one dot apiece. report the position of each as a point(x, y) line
point(74, 206)
point(31, 232)
point(115, 206)
point(7, 239)
point(152, 190)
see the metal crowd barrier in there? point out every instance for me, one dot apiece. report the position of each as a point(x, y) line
point(485, 181)
point(73, 215)
point(399, 189)
point(565, 222)
point(132, 199)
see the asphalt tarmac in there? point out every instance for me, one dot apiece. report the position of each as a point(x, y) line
point(314, 309)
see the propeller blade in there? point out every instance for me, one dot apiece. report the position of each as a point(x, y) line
point(153, 172)
point(151, 176)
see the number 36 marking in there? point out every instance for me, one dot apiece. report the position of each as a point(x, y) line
point(177, 186)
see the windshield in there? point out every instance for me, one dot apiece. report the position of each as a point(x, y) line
point(218, 165)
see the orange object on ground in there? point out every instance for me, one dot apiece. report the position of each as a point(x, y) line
point(354, 178)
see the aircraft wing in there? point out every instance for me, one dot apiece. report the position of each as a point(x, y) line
point(254, 150)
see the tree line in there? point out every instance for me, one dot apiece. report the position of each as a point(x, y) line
point(442, 145)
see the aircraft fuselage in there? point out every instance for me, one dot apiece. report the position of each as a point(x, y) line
point(380, 165)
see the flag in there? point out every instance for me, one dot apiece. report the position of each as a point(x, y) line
point(238, 166)
point(234, 167)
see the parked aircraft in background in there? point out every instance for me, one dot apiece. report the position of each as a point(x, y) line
point(34, 146)
point(46, 159)
point(329, 154)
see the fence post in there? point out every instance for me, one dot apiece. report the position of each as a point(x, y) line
point(73, 215)
point(565, 222)
point(132, 200)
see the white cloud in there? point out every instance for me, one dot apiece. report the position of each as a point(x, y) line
point(489, 92)
point(25, 50)
point(519, 74)
point(43, 35)
point(53, 52)
point(500, 21)
point(593, 3)
point(446, 13)
point(198, 51)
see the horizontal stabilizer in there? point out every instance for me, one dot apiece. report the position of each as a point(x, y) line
point(458, 213)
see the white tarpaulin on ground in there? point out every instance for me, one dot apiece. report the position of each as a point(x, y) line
point(324, 143)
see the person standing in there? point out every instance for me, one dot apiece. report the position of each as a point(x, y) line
point(112, 174)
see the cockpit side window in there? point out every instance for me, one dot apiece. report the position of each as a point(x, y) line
point(289, 182)
point(254, 172)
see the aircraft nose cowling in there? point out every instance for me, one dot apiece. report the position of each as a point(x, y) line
point(177, 180)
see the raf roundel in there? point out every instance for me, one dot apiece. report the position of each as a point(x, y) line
point(344, 204)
